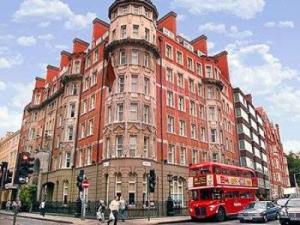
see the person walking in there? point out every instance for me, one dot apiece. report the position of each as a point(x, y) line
point(17, 204)
point(8, 205)
point(123, 208)
point(101, 211)
point(114, 207)
point(43, 208)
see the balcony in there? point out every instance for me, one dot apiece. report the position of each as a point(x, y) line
point(213, 81)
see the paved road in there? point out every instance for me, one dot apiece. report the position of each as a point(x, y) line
point(229, 222)
point(8, 220)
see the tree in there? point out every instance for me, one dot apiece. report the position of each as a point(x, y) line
point(294, 167)
point(28, 197)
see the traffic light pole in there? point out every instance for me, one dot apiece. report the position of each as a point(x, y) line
point(83, 207)
point(148, 196)
point(4, 169)
point(16, 209)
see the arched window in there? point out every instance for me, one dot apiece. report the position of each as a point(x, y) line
point(118, 187)
point(177, 191)
point(132, 189)
point(65, 192)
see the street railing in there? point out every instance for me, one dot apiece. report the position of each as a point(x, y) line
point(138, 210)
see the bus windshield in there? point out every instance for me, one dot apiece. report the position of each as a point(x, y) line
point(206, 194)
point(199, 171)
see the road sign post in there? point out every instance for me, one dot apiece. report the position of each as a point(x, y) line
point(85, 185)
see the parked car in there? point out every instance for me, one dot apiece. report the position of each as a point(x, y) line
point(290, 213)
point(261, 211)
point(282, 202)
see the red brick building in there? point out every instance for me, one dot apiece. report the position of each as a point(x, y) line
point(171, 104)
point(279, 174)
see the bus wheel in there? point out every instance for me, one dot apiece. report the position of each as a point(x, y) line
point(221, 215)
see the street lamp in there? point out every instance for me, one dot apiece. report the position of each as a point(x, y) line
point(296, 184)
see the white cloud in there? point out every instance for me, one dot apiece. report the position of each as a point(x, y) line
point(232, 31)
point(80, 21)
point(181, 17)
point(2, 85)
point(26, 41)
point(255, 69)
point(22, 94)
point(8, 59)
point(285, 103)
point(280, 24)
point(46, 11)
point(291, 145)
point(6, 38)
point(46, 37)
point(44, 24)
point(210, 45)
point(240, 8)
point(10, 120)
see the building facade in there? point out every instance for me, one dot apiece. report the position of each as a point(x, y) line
point(169, 104)
point(252, 141)
point(8, 153)
point(278, 167)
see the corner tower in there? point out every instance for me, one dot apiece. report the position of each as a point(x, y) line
point(130, 106)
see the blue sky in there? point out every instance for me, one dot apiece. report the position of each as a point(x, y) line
point(261, 36)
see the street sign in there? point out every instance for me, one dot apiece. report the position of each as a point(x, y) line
point(148, 164)
point(85, 184)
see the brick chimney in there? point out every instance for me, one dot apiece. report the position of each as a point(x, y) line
point(79, 45)
point(64, 59)
point(248, 98)
point(99, 28)
point(200, 43)
point(169, 22)
point(52, 72)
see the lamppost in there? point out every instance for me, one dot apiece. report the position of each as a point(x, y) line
point(296, 184)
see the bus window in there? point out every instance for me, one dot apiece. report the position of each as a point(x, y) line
point(204, 171)
point(193, 173)
point(194, 195)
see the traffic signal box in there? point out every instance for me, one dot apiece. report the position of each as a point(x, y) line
point(80, 178)
point(24, 168)
point(152, 181)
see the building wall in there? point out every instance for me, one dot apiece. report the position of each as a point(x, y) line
point(177, 109)
point(8, 153)
point(279, 175)
point(252, 144)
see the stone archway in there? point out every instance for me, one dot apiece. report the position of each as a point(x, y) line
point(48, 191)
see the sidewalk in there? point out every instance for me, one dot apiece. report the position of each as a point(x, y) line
point(71, 220)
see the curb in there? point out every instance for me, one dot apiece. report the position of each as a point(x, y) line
point(177, 221)
point(36, 218)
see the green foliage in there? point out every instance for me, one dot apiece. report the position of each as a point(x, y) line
point(294, 167)
point(28, 196)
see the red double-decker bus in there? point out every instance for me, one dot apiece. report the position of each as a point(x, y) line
point(219, 190)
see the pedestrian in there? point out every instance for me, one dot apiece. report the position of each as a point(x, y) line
point(114, 207)
point(17, 204)
point(43, 208)
point(123, 209)
point(8, 205)
point(101, 211)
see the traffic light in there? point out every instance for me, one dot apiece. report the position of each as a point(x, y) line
point(3, 173)
point(80, 178)
point(8, 178)
point(152, 181)
point(24, 168)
